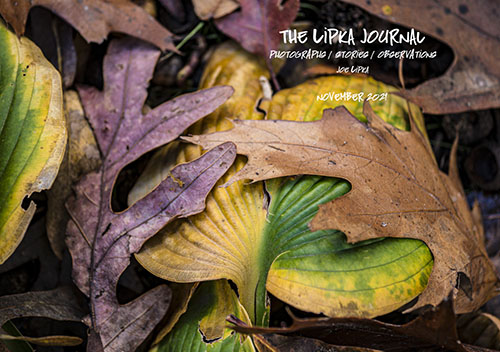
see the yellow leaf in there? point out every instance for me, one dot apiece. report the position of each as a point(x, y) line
point(32, 133)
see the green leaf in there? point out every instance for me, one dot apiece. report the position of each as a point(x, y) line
point(32, 133)
point(203, 327)
point(272, 249)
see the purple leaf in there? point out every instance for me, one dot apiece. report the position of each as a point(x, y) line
point(256, 27)
point(100, 240)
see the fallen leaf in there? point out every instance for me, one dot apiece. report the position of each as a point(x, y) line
point(263, 244)
point(435, 327)
point(228, 65)
point(46, 340)
point(32, 134)
point(256, 27)
point(397, 191)
point(281, 343)
point(100, 240)
point(58, 304)
point(473, 80)
point(181, 295)
point(203, 326)
point(206, 10)
point(94, 19)
point(481, 329)
point(82, 156)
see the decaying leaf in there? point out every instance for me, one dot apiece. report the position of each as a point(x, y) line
point(256, 27)
point(473, 80)
point(397, 191)
point(57, 304)
point(46, 340)
point(100, 240)
point(94, 19)
point(266, 245)
point(436, 327)
point(181, 296)
point(203, 326)
point(480, 329)
point(32, 133)
point(82, 156)
point(206, 9)
point(55, 38)
point(281, 343)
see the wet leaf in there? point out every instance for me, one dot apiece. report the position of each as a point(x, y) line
point(397, 191)
point(241, 237)
point(206, 9)
point(256, 27)
point(101, 240)
point(473, 80)
point(32, 133)
point(94, 19)
point(203, 326)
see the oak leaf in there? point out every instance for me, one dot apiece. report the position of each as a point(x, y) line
point(471, 29)
point(94, 19)
point(101, 240)
point(397, 191)
point(257, 234)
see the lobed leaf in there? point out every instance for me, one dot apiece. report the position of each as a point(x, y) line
point(100, 240)
point(398, 190)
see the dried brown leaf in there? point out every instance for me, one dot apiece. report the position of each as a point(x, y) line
point(397, 191)
point(207, 9)
point(58, 304)
point(434, 328)
point(471, 29)
point(94, 19)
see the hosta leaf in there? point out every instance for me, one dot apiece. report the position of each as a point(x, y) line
point(320, 272)
point(203, 327)
point(237, 238)
point(32, 133)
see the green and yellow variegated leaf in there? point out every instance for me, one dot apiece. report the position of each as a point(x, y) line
point(202, 328)
point(262, 246)
point(32, 133)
